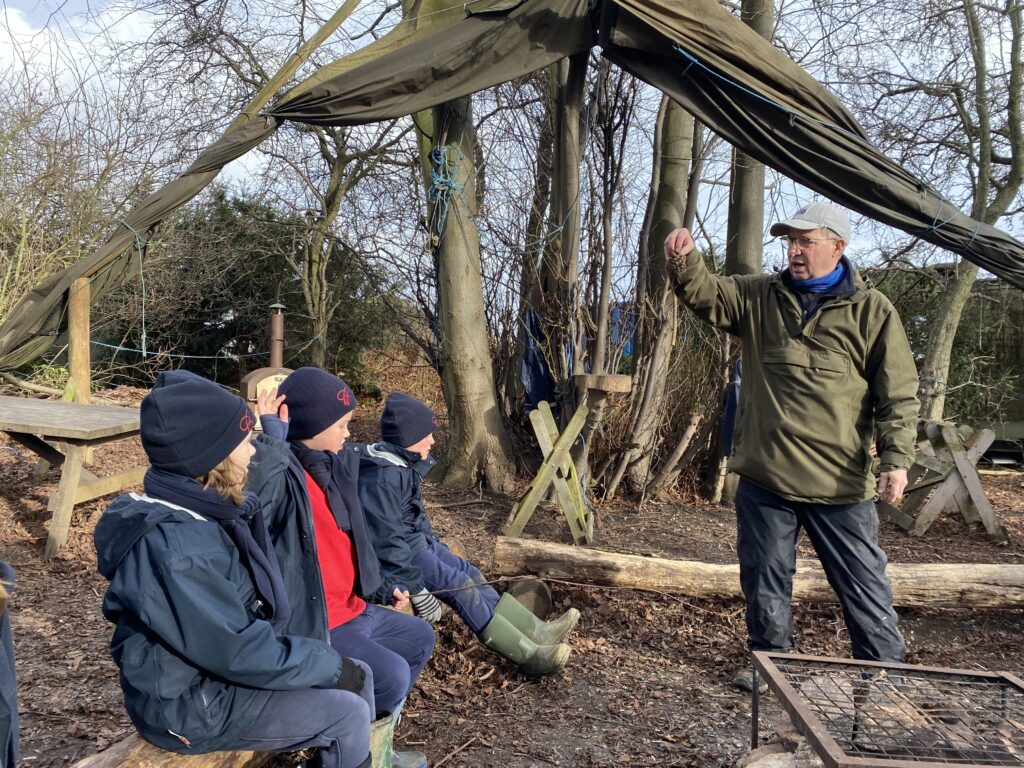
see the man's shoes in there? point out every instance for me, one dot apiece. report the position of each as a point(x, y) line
point(744, 680)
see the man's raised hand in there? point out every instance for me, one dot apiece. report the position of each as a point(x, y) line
point(678, 246)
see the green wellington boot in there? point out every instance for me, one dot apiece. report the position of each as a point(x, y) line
point(541, 632)
point(502, 637)
point(382, 748)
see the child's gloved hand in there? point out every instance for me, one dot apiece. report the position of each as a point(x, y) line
point(427, 606)
point(352, 677)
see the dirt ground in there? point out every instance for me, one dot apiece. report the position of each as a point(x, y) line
point(648, 683)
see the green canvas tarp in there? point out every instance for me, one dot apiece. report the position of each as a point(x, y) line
point(693, 50)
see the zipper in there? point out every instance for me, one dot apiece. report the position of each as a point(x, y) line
point(180, 738)
point(308, 520)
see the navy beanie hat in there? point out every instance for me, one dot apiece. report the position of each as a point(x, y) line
point(405, 420)
point(315, 399)
point(189, 425)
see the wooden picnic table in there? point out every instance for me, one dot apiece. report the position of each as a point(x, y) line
point(37, 424)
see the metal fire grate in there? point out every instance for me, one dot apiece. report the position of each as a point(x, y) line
point(880, 715)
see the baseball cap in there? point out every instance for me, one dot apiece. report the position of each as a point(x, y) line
point(820, 215)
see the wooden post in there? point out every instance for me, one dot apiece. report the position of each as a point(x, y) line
point(79, 366)
point(79, 353)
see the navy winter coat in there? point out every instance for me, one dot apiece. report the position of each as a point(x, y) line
point(8, 684)
point(196, 664)
point(289, 517)
point(389, 489)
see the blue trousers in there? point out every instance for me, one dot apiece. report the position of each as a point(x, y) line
point(395, 646)
point(470, 595)
point(336, 722)
point(845, 538)
point(8, 684)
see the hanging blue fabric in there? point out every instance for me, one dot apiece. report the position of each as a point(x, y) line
point(534, 372)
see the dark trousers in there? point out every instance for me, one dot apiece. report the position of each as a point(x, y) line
point(469, 596)
point(396, 647)
point(8, 683)
point(845, 538)
point(336, 722)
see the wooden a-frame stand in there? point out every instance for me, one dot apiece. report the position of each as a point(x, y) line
point(944, 478)
point(559, 470)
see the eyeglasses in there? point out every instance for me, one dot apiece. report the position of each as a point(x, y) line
point(803, 243)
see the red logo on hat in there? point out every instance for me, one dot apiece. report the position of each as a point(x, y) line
point(345, 396)
point(246, 423)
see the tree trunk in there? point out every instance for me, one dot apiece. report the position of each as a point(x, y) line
point(478, 444)
point(992, 197)
point(936, 585)
point(657, 311)
point(937, 356)
point(560, 263)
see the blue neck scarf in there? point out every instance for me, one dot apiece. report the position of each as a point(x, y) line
point(819, 284)
point(243, 523)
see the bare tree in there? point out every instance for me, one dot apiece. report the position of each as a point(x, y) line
point(955, 119)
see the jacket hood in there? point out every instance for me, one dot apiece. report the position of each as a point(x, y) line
point(400, 457)
point(125, 522)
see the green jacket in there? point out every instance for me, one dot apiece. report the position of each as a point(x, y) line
point(814, 395)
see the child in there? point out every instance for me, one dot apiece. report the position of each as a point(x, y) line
point(411, 553)
point(198, 600)
point(321, 505)
point(8, 685)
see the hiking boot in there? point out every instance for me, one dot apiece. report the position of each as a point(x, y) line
point(541, 632)
point(502, 637)
point(744, 680)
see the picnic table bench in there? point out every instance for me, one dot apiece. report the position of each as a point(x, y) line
point(38, 424)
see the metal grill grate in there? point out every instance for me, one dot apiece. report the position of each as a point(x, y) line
point(870, 714)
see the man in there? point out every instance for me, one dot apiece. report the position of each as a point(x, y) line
point(827, 372)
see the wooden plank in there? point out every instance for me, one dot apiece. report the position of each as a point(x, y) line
point(975, 450)
point(63, 501)
point(995, 585)
point(566, 481)
point(547, 433)
point(101, 486)
point(525, 507)
point(603, 382)
point(39, 447)
point(49, 455)
point(972, 482)
point(935, 465)
point(52, 419)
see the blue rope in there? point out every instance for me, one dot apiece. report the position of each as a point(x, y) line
point(444, 189)
point(793, 115)
point(144, 353)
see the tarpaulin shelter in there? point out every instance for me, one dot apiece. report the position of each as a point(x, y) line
point(693, 50)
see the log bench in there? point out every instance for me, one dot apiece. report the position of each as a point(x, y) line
point(133, 752)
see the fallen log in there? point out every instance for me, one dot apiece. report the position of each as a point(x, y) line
point(133, 752)
point(946, 585)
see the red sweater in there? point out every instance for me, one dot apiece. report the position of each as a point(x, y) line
point(336, 556)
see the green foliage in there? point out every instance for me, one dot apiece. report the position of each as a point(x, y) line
point(984, 382)
point(205, 292)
